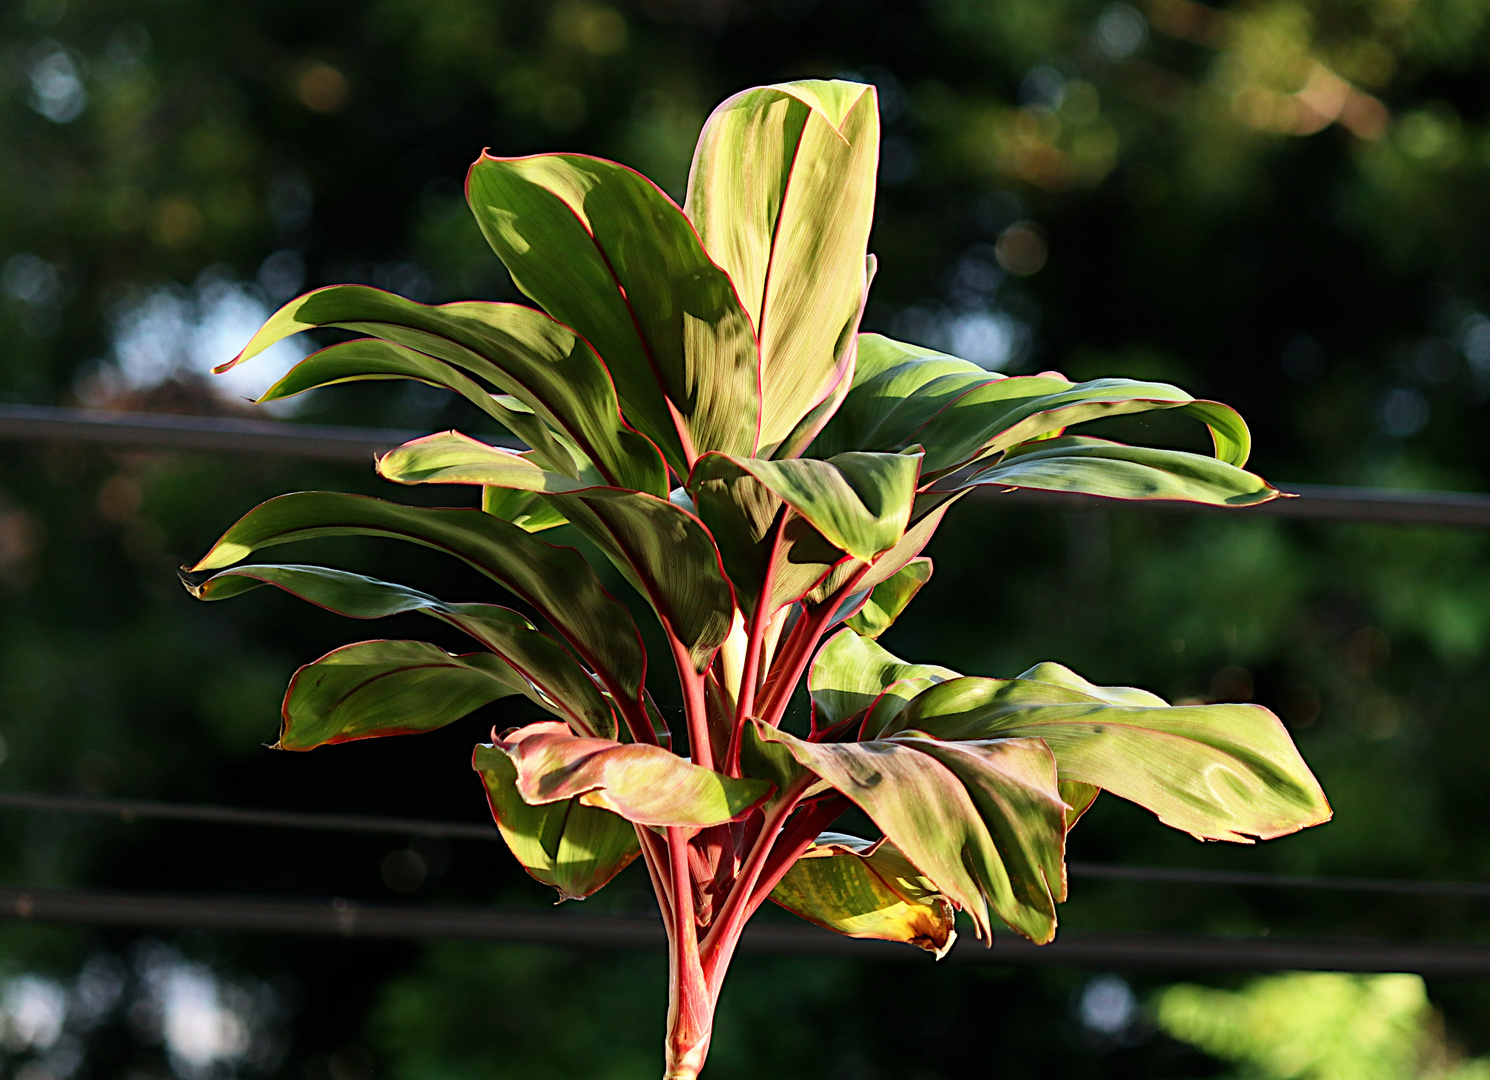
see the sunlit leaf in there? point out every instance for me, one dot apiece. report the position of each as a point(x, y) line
point(851, 671)
point(782, 192)
point(644, 784)
point(524, 352)
point(1116, 471)
point(575, 848)
point(867, 889)
point(890, 597)
point(904, 395)
point(603, 250)
point(982, 820)
point(1219, 772)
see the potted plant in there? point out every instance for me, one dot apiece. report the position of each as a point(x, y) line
point(699, 403)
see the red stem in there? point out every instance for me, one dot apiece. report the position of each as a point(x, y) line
point(719, 943)
point(754, 647)
point(695, 707)
point(690, 1014)
point(795, 655)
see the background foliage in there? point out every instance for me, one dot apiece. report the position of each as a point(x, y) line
point(1275, 203)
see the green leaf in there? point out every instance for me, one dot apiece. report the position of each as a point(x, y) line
point(551, 676)
point(867, 889)
point(525, 509)
point(556, 581)
point(1116, 471)
point(376, 688)
point(664, 551)
point(369, 359)
point(1219, 772)
point(782, 193)
point(851, 671)
point(982, 820)
point(644, 784)
point(546, 366)
point(576, 849)
point(904, 395)
point(926, 517)
point(603, 250)
point(860, 503)
point(890, 597)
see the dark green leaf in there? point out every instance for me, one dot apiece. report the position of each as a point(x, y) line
point(376, 688)
point(553, 679)
point(556, 581)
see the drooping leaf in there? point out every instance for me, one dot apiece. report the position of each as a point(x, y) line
point(851, 671)
point(370, 359)
point(377, 688)
point(782, 192)
point(556, 581)
point(905, 395)
point(867, 889)
point(1114, 470)
point(603, 250)
point(577, 849)
point(525, 509)
point(890, 597)
point(545, 365)
point(1219, 772)
point(662, 549)
point(644, 784)
point(982, 820)
point(552, 677)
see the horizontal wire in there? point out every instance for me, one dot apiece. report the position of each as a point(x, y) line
point(129, 809)
point(1316, 502)
point(353, 919)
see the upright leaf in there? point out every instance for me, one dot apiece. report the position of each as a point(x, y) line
point(867, 889)
point(1219, 772)
point(377, 688)
point(782, 193)
point(543, 364)
point(556, 581)
point(548, 674)
point(575, 848)
point(602, 249)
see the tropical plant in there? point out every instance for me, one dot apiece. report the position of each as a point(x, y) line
point(699, 404)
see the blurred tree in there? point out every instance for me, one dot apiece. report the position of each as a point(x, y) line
point(1276, 202)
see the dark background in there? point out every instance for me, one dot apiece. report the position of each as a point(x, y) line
point(1170, 191)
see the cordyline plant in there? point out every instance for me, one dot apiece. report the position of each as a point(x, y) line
point(700, 404)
